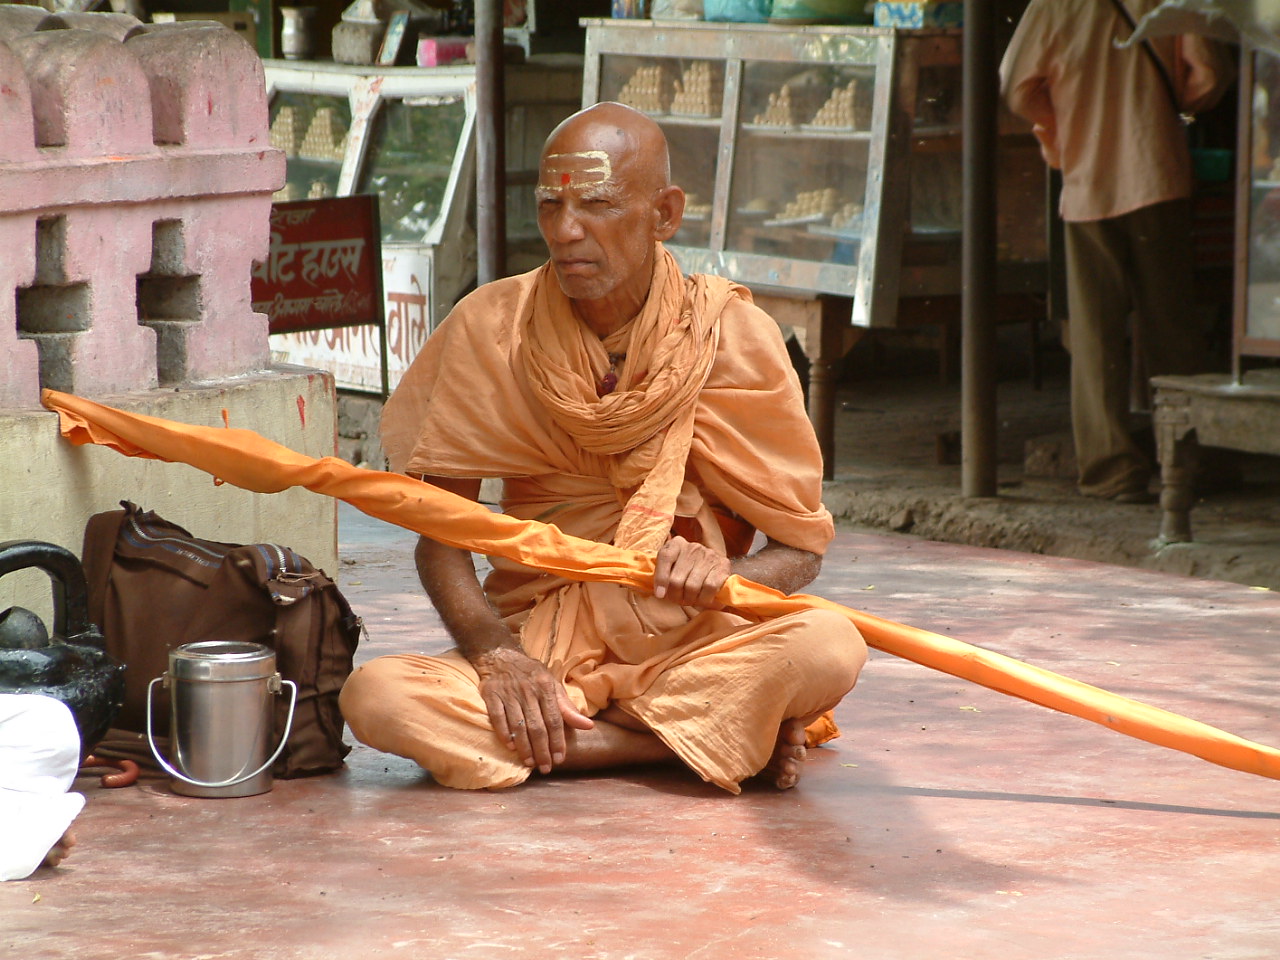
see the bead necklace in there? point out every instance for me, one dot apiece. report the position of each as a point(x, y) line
point(609, 381)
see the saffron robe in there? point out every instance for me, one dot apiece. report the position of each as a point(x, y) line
point(736, 455)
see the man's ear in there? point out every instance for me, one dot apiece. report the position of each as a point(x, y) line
point(668, 206)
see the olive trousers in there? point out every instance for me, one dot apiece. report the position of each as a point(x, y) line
point(1141, 265)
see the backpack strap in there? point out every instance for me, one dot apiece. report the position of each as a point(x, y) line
point(97, 554)
point(1161, 68)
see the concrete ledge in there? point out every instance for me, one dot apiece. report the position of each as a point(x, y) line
point(143, 178)
point(50, 488)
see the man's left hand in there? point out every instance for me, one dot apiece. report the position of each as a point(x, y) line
point(689, 574)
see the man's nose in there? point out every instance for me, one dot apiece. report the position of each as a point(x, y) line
point(566, 225)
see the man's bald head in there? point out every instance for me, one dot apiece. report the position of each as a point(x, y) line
point(604, 199)
point(623, 143)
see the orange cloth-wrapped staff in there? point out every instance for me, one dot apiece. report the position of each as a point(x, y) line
point(246, 459)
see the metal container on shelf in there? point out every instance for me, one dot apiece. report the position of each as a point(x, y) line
point(297, 33)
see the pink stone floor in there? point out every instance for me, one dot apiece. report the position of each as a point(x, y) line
point(949, 822)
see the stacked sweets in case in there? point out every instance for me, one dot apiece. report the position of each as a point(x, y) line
point(649, 89)
point(848, 217)
point(811, 204)
point(325, 139)
point(284, 131)
point(779, 112)
point(794, 103)
point(699, 91)
point(838, 111)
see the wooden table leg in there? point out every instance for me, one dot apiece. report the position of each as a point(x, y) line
point(827, 345)
point(1177, 447)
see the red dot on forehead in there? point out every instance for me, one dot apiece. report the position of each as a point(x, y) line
point(564, 179)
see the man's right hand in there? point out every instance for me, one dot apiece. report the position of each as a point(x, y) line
point(528, 707)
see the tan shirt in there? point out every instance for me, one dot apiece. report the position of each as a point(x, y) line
point(1102, 113)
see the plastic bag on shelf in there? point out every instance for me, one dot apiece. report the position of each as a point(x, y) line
point(676, 10)
point(819, 11)
point(739, 11)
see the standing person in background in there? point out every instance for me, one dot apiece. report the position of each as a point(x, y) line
point(1106, 117)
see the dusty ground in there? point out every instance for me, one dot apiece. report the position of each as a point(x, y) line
point(888, 477)
point(948, 822)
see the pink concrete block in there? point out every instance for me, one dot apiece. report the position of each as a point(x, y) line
point(129, 262)
point(16, 118)
point(207, 87)
point(233, 338)
point(19, 372)
point(19, 361)
point(114, 25)
point(17, 20)
point(217, 242)
point(83, 312)
point(89, 95)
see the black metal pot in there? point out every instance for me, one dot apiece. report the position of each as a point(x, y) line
point(72, 665)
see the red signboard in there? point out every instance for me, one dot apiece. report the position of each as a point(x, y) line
point(325, 265)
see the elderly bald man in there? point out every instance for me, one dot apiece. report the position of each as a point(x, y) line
point(623, 402)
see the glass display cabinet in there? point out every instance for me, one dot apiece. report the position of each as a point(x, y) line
point(406, 134)
point(1257, 316)
point(816, 159)
point(823, 168)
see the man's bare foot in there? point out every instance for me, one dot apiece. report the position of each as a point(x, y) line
point(785, 766)
point(60, 850)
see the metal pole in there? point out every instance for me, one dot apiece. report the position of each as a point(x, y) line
point(491, 198)
point(978, 257)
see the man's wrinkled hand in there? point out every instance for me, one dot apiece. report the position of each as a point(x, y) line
point(528, 707)
point(689, 574)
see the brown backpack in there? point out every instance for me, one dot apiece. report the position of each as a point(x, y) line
point(153, 586)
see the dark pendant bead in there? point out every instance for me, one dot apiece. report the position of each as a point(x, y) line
point(607, 384)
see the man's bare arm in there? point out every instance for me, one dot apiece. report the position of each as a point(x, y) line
point(691, 574)
point(527, 705)
point(448, 574)
point(786, 569)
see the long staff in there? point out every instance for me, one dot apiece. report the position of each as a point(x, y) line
point(246, 459)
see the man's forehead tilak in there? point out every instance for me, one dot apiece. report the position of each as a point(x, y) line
point(585, 168)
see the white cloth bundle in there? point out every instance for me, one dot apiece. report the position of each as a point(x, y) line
point(39, 758)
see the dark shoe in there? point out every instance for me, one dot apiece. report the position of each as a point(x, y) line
point(1126, 495)
point(1134, 496)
